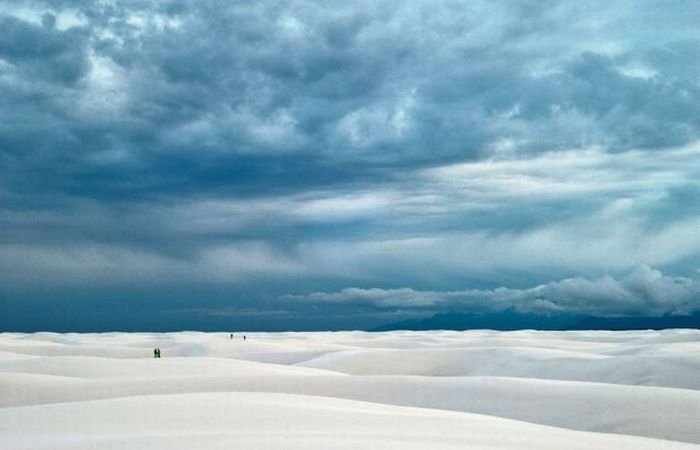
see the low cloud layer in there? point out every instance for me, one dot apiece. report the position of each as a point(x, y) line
point(644, 291)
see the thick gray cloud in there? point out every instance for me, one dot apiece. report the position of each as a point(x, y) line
point(435, 145)
point(196, 92)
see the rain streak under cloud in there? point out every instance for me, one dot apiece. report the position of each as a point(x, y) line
point(296, 165)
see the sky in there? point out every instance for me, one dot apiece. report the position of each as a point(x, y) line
point(337, 165)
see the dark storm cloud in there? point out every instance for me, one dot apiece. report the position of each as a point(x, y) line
point(42, 53)
point(178, 90)
point(360, 143)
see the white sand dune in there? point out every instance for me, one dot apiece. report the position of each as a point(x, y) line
point(351, 390)
point(656, 370)
point(270, 421)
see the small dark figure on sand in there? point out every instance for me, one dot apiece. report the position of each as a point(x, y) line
point(156, 352)
point(244, 338)
point(231, 335)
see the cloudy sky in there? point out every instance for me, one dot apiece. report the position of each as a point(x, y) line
point(318, 165)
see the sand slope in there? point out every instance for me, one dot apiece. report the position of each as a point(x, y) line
point(351, 390)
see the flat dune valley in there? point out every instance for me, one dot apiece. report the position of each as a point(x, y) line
point(351, 390)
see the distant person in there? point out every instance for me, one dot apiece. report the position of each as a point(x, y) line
point(231, 335)
point(244, 338)
point(158, 352)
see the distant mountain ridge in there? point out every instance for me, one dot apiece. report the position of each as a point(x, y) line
point(512, 320)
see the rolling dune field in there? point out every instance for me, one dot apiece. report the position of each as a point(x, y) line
point(351, 390)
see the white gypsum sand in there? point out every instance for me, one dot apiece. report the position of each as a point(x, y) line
point(429, 390)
